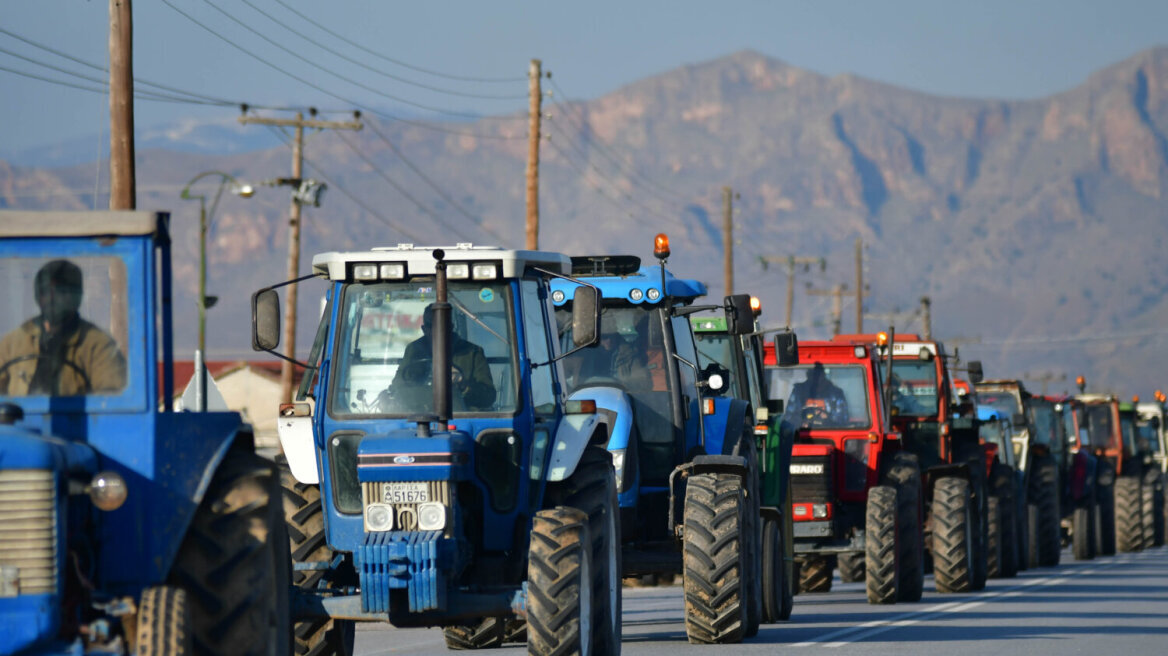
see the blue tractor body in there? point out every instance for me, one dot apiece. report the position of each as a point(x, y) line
point(70, 572)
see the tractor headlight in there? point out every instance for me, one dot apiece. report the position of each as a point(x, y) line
point(107, 490)
point(393, 271)
point(819, 510)
point(485, 272)
point(558, 296)
point(364, 272)
point(653, 293)
point(636, 294)
point(379, 517)
point(458, 271)
point(431, 516)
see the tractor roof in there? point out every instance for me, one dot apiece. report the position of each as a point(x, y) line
point(419, 260)
point(1095, 398)
point(641, 286)
point(81, 224)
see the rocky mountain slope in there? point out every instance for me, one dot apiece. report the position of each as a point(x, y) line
point(1036, 226)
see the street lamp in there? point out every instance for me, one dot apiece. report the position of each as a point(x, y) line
point(238, 188)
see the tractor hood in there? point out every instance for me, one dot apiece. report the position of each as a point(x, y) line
point(21, 448)
point(404, 456)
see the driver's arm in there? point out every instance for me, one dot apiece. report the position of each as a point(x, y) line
point(478, 390)
point(408, 357)
point(103, 363)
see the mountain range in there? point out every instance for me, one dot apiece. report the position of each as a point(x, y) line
point(1036, 227)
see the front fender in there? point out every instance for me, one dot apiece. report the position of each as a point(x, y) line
point(573, 435)
point(614, 407)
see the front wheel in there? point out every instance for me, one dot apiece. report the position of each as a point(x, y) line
point(882, 546)
point(953, 535)
point(1083, 530)
point(164, 622)
point(776, 586)
point(851, 566)
point(559, 584)
point(714, 560)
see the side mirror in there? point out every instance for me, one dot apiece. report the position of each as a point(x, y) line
point(786, 349)
point(739, 316)
point(975, 374)
point(265, 320)
point(585, 316)
point(775, 407)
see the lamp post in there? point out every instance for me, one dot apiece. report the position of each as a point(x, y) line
point(240, 189)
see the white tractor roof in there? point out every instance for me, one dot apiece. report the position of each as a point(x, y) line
point(1149, 409)
point(16, 223)
point(913, 348)
point(419, 260)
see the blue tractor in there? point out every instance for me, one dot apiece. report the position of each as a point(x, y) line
point(436, 473)
point(685, 457)
point(124, 527)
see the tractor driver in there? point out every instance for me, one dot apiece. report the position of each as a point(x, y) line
point(57, 352)
point(470, 375)
point(817, 401)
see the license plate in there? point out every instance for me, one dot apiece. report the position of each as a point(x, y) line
point(406, 493)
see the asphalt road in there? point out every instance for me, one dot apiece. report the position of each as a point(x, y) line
point(1111, 605)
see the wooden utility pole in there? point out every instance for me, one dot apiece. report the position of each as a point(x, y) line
point(535, 109)
point(728, 239)
point(859, 286)
point(926, 318)
point(298, 124)
point(121, 99)
point(837, 304)
point(791, 261)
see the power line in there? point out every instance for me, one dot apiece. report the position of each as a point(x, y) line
point(283, 136)
point(445, 196)
point(396, 61)
point(350, 80)
point(376, 70)
point(385, 115)
point(586, 129)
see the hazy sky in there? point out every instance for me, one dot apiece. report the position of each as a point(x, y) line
point(981, 48)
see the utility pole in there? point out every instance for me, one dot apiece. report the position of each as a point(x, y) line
point(121, 81)
point(533, 136)
point(859, 286)
point(728, 239)
point(926, 318)
point(837, 303)
point(298, 123)
point(791, 261)
point(123, 185)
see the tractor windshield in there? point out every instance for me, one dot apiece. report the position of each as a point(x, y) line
point(994, 431)
point(1127, 425)
point(1004, 402)
point(914, 387)
point(1046, 424)
point(383, 362)
point(64, 328)
point(1148, 430)
point(821, 396)
point(630, 354)
point(1098, 421)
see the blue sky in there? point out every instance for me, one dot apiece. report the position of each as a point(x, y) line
point(988, 48)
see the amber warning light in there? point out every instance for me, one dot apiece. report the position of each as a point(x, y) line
point(661, 246)
point(881, 339)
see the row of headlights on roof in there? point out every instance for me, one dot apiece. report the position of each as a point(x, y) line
point(398, 271)
point(635, 295)
point(379, 517)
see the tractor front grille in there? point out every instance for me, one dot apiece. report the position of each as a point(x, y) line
point(405, 515)
point(811, 479)
point(28, 532)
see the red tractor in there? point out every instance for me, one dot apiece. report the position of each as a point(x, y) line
point(856, 492)
point(952, 460)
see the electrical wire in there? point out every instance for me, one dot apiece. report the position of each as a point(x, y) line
point(445, 196)
point(585, 129)
point(385, 115)
point(350, 80)
point(362, 64)
point(391, 60)
point(283, 136)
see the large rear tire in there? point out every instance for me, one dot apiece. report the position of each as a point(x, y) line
point(1083, 530)
point(776, 587)
point(234, 562)
point(905, 476)
point(559, 584)
point(592, 490)
point(815, 574)
point(1148, 508)
point(1105, 520)
point(851, 566)
point(1129, 524)
point(882, 546)
point(953, 541)
point(714, 560)
point(753, 535)
point(488, 633)
point(1002, 486)
point(304, 520)
point(1045, 541)
point(164, 623)
point(994, 544)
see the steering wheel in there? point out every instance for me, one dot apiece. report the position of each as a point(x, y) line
point(815, 416)
point(87, 386)
point(418, 372)
point(17, 360)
